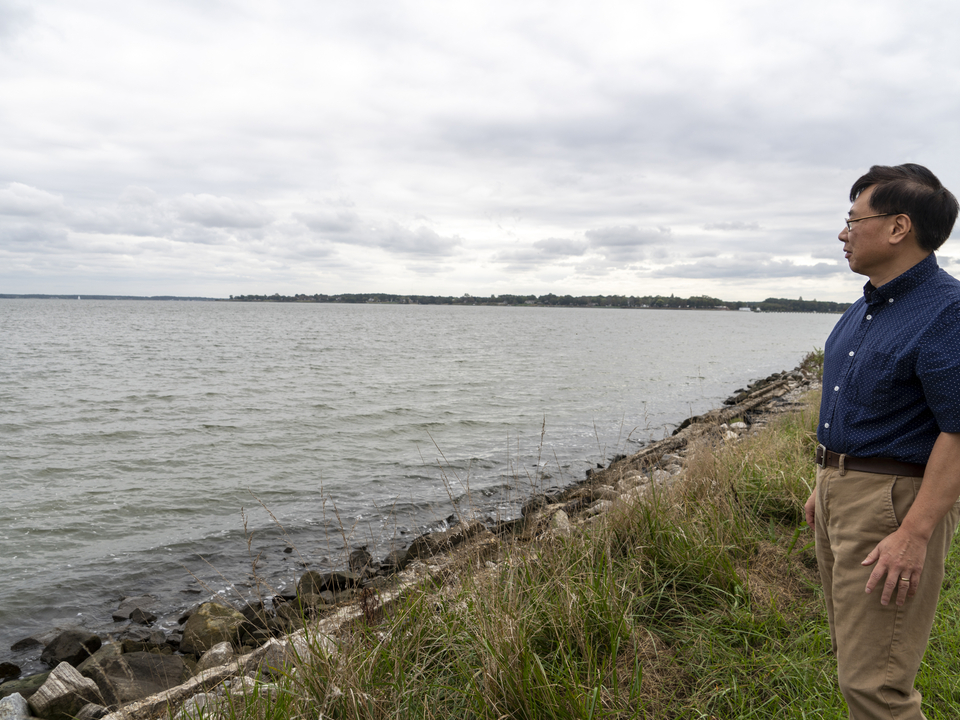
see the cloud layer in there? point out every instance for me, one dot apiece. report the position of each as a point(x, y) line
point(437, 148)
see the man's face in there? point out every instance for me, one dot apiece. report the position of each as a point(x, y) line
point(865, 247)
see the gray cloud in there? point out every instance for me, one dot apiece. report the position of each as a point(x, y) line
point(542, 253)
point(746, 267)
point(330, 222)
point(736, 225)
point(19, 199)
point(627, 243)
point(561, 247)
point(220, 212)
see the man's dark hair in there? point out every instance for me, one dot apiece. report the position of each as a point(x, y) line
point(913, 190)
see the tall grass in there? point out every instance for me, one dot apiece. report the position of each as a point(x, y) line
point(700, 602)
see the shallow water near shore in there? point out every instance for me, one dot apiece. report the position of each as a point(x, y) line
point(161, 447)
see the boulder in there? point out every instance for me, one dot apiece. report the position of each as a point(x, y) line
point(137, 639)
point(359, 559)
point(439, 542)
point(71, 646)
point(9, 670)
point(92, 711)
point(143, 603)
point(395, 561)
point(142, 617)
point(560, 522)
point(314, 583)
point(64, 693)
point(211, 624)
point(217, 656)
point(134, 676)
point(25, 686)
point(303, 607)
point(534, 504)
point(42, 638)
point(256, 614)
point(201, 705)
point(14, 707)
point(110, 650)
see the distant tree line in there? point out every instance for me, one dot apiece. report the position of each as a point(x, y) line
point(695, 302)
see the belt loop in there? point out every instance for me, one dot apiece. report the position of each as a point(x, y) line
point(843, 470)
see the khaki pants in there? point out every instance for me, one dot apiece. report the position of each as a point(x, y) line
point(878, 648)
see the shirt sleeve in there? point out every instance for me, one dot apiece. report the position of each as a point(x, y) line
point(938, 367)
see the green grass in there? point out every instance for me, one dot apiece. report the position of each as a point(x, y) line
point(701, 602)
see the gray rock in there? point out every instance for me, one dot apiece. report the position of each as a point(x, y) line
point(134, 676)
point(395, 561)
point(14, 707)
point(198, 706)
point(71, 646)
point(439, 542)
point(535, 503)
point(256, 614)
point(359, 560)
point(211, 624)
point(64, 693)
point(142, 617)
point(144, 603)
point(217, 656)
point(314, 583)
point(92, 711)
point(137, 634)
point(187, 613)
point(560, 522)
point(110, 650)
point(42, 638)
point(275, 661)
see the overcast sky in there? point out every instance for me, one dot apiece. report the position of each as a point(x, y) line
point(211, 147)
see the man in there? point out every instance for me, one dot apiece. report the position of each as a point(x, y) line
point(885, 507)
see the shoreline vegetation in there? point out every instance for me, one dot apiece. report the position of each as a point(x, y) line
point(678, 582)
point(632, 302)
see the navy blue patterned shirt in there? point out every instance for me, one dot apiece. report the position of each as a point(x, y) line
point(891, 371)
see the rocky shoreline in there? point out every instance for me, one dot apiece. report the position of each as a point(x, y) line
point(142, 669)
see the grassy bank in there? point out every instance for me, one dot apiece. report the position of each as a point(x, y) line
point(700, 602)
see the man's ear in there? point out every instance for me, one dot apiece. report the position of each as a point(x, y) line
point(902, 228)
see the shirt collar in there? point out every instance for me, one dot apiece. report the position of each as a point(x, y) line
point(901, 284)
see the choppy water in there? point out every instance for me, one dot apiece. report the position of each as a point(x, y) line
point(141, 443)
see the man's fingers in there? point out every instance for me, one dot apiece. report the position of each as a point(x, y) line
point(889, 587)
point(810, 509)
point(904, 590)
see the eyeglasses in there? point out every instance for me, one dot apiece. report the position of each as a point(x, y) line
point(851, 222)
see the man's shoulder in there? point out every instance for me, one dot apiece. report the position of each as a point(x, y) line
point(942, 290)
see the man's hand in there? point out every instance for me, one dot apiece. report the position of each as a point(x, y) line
point(900, 557)
point(810, 509)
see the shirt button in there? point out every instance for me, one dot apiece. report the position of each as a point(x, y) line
point(869, 317)
point(826, 425)
point(836, 387)
point(851, 353)
point(890, 300)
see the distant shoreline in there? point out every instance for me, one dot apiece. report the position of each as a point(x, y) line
point(619, 302)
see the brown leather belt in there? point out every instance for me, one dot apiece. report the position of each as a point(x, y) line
point(879, 465)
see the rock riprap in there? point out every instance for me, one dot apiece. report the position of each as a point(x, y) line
point(210, 625)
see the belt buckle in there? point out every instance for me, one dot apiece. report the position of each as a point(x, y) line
point(821, 457)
